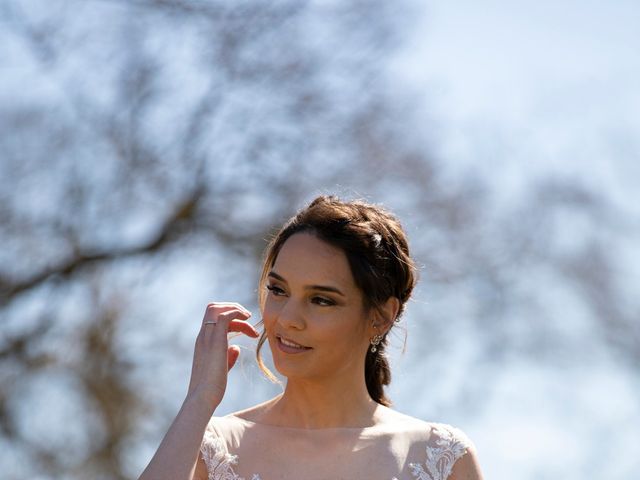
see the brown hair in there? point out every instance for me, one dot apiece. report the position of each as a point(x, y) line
point(378, 253)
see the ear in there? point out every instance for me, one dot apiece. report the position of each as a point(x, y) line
point(384, 318)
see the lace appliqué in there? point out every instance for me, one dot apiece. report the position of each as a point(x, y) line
point(219, 462)
point(451, 444)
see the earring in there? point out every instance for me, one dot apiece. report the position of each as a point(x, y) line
point(375, 342)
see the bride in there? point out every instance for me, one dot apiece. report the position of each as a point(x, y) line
point(334, 281)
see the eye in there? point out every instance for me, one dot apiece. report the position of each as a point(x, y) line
point(277, 291)
point(325, 302)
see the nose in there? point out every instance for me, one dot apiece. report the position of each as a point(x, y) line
point(291, 315)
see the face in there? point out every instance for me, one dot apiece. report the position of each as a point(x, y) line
point(314, 302)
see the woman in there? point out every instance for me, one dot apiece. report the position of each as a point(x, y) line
point(335, 280)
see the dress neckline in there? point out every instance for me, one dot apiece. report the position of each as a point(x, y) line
point(380, 428)
point(303, 429)
point(441, 454)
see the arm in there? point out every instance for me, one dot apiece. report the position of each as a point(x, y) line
point(201, 470)
point(178, 453)
point(467, 467)
point(177, 456)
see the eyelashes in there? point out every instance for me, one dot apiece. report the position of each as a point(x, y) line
point(321, 301)
point(271, 288)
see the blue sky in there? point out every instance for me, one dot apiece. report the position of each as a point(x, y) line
point(524, 88)
point(515, 91)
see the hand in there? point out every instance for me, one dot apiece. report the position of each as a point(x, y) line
point(213, 357)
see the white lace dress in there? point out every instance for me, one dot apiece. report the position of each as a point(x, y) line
point(237, 449)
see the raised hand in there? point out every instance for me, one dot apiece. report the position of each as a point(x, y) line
point(213, 357)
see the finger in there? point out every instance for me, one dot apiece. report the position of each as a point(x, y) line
point(243, 327)
point(235, 304)
point(214, 309)
point(221, 306)
point(213, 315)
point(233, 352)
point(225, 316)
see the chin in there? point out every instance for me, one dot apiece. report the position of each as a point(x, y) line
point(306, 371)
point(290, 367)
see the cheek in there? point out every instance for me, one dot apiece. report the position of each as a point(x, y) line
point(267, 316)
point(343, 340)
point(270, 309)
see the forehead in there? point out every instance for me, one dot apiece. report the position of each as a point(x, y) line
point(307, 259)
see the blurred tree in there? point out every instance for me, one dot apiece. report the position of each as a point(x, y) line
point(138, 132)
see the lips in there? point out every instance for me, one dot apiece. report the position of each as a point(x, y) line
point(290, 343)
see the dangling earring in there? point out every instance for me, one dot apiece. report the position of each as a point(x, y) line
point(375, 342)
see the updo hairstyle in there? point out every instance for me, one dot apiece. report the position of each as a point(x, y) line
point(377, 250)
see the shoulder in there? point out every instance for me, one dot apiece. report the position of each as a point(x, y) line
point(451, 454)
point(422, 430)
point(388, 417)
point(231, 423)
point(220, 434)
point(446, 435)
point(253, 413)
point(215, 436)
point(468, 467)
point(447, 451)
point(442, 433)
point(453, 441)
point(214, 448)
point(229, 428)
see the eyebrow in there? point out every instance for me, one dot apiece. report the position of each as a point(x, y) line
point(325, 288)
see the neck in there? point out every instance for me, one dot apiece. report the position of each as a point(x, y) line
point(311, 404)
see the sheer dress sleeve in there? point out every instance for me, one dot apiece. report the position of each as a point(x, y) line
point(217, 458)
point(433, 454)
point(446, 445)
